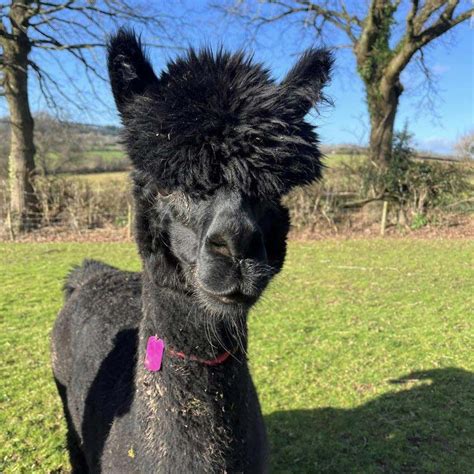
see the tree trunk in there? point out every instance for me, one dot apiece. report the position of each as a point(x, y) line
point(383, 103)
point(22, 150)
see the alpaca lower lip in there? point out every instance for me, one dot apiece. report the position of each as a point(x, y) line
point(227, 299)
point(224, 299)
point(231, 298)
point(234, 299)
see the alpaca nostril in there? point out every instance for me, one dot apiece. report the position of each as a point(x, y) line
point(218, 245)
point(237, 246)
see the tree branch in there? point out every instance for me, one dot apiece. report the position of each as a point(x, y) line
point(57, 46)
point(54, 7)
point(362, 46)
point(2, 81)
point(411, 18)
point(4, 33)
point(427, 11)
point(427, 90)
point(414, 38)
point(72, 26)
point(44, 88)
point(342, 19)
point(444, 23)
point(44, 81)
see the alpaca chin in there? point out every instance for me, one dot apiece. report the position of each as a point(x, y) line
point(231, 306)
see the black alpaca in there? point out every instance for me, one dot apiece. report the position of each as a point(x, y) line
point(215, 143)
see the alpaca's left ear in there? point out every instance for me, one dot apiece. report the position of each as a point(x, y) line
point(304, 83)
point(130, 71)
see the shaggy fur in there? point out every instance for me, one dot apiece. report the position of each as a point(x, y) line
point(215, 143)
point(221, 118)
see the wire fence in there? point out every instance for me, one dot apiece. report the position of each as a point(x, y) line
point(77, 204)
point(69, 204)
point(70, 221)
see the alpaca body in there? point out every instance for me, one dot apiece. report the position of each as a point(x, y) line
point(152, 421)
point(215, 143)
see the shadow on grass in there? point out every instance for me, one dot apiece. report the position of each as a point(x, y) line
point(426, 426)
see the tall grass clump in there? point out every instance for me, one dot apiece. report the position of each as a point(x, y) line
point(73, 203)
point(417, 189)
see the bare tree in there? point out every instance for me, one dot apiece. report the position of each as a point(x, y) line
point(77, 27)
point(57, 144)
point(4, 147)
point(464, 146)
point(381, 54)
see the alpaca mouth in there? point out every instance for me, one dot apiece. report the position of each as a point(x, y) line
point(232, 298)
point(236, 298)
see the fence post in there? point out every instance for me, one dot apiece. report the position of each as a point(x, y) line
point(384, 218)
point(9, 224)
point(129, 221)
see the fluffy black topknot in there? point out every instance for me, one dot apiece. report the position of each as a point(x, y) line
point(218, 119)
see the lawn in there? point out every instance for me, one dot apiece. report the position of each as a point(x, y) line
point(334, 165)
point(117, 178)
point(361, 352)
point(107, 154)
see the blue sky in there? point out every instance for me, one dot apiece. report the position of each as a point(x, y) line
point(436, 124)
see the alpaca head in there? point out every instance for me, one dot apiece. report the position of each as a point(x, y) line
point(215, 144)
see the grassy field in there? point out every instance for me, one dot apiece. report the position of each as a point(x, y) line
point(336, 175)
point(98, 179)
point(361, 352)
point(106, 154)
point(333, 163)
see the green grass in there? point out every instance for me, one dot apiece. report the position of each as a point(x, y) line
point(108, 155)
point(105, 178)
point(336, 175)
point(334, 160)
point(361, 352)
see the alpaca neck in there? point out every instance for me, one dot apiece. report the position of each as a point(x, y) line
point(174, 315)
point(202, 406)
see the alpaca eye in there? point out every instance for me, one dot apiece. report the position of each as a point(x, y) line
point(164, 192)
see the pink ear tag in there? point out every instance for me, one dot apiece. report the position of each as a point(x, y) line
point(154, 353)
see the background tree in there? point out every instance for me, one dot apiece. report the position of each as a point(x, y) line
point(464, 146)
point(56, 144)
point(381, 51)
point(76, 27)
point(4, 146)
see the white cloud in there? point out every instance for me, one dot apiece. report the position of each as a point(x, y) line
point(440, 68)
point(436, 144)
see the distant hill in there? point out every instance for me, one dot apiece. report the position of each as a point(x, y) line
point(73, 147)
point(106, 130)
point(64, 146)
point(77, 127)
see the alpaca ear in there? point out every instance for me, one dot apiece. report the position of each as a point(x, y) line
point(304, 83)
point(130, 71)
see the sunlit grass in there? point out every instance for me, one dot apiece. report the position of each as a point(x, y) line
point(119, 177)
point(106, 154)
point(361, 353)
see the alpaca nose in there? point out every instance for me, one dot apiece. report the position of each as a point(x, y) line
point(217, 244)
point(234, 230)
point(237, 243)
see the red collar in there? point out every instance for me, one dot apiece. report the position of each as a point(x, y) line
point(156, 347)
point(220, 359)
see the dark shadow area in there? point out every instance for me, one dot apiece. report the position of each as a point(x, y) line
point(76, 457)
point(110, 395)
point(425, 426)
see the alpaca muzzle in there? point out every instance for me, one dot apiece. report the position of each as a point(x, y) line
point(233, 259)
